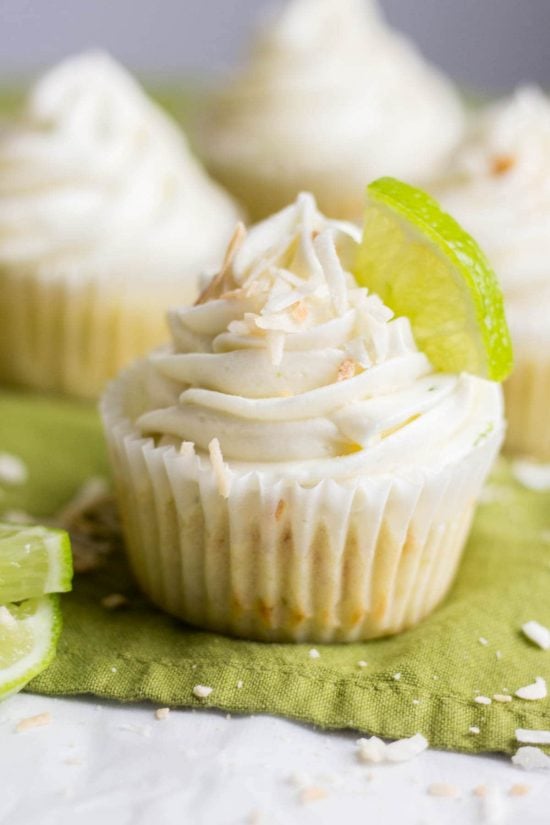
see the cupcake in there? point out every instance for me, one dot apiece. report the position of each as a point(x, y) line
point(330, 98)
point(498, 186)
point(292, 467)
point(106, 219)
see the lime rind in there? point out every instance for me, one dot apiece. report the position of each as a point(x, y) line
point(454, 303)
point(41, 618)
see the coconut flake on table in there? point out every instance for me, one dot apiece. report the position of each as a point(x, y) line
point(13, 470)
point(537, 633)
point(531, 474)
point(374, 749)
point(533, 737)
point(531, 759)
point(535, 691)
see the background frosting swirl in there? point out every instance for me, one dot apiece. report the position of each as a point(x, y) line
point(95, 173)
point(296, 369)
point(331, 91)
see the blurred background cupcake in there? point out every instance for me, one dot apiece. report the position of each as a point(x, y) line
point(498, 186)
point(330, 99)
point(105, 220)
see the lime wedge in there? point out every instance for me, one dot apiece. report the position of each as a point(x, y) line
point(424, 266)
point(33, 561)
point(28, 637)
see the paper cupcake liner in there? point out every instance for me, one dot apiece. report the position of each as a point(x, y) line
point(339, 561)
point(527, 400)
point(69, 332)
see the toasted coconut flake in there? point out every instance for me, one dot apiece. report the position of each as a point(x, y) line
point(532, 759)
point(300, 312)
point(13, 470)
point(219, 467)
point(533, 737)
point(162, 713)
point(202, 691)
point(374, 749)
point(500, 164)
point(223, 281)
point(535, 691)
point(312, 794)
point(519, 789)
point(114, 601)
point(443, 789)
point(346, 370)
point(537, 633)
point(38, 721)
point(480, 790)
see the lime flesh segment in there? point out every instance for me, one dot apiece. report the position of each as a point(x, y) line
point(33, 561)
point(424, 266)
point(28, 637)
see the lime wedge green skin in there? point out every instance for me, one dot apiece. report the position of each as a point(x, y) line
point(424, 266)
point(28, 641)
point(33, 561)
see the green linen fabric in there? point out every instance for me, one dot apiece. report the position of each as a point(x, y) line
point(424, 680)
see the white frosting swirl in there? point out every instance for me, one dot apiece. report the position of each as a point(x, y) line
point(297, 370)
point(332, 98)
point(499, 188)
point(95, 176)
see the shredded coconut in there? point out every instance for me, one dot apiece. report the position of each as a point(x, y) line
point(312, 794)
point(362, 663)
point(314, 654)
point(38, 721)
point(533, 737)
point(482, 700)
point(502, 697)
point(492, 806)
point(444, 789)
point(537, 633)
point(374, 749)
point(535, 691)
point(113, 601)
point(519, 789)
point(13, 470)
point(483, 641)
point(397, 676)
point(532, 475)
point(240, 683)
point(474, 729)
point(531, 759)
point(202, 691)
point(162, 713)
point(219, 467)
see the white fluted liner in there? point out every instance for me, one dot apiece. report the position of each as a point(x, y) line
point(527, 400)
point(71, 332)
point(339, 561)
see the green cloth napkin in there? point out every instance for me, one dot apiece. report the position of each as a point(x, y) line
point(422, 681)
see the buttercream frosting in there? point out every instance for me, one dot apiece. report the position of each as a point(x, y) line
point(332, 98)
point(498, 186)
point(297, 370)
point(94, 176)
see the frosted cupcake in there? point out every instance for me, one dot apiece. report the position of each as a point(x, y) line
point(330, 98)
point(105, 220)
point(292, 467)
point(499, 188)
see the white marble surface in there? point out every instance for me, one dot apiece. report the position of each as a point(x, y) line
point(107, 764)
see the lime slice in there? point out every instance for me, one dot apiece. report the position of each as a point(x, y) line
point(33, 561)
point(424, 266)
point(28, 637)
